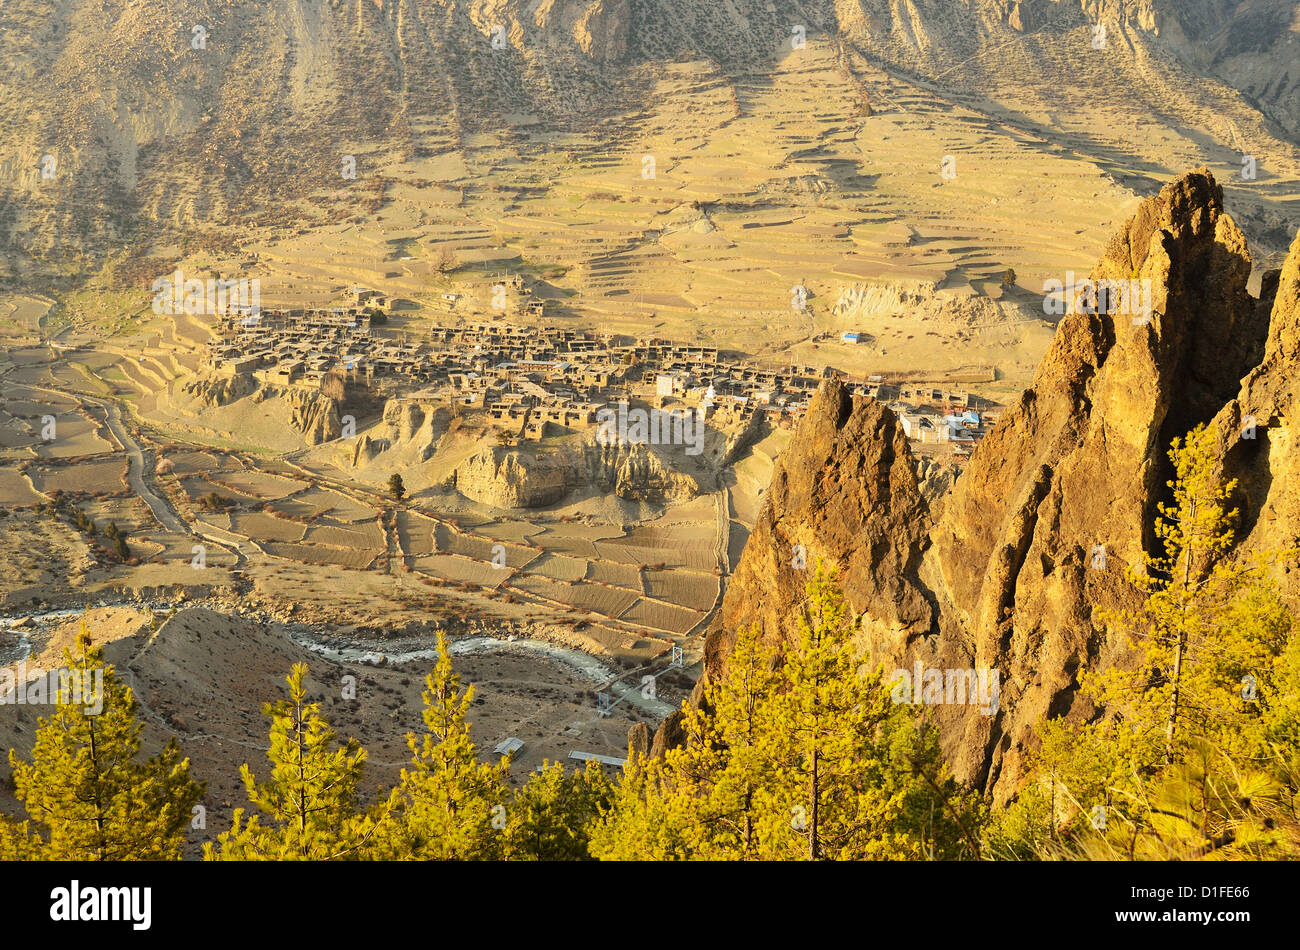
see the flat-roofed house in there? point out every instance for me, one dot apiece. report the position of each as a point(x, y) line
point(241, 365)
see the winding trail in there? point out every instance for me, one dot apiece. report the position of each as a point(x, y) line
point(138, 479)
point(135, 473)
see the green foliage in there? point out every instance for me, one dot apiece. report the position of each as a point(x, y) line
point(548, 819)
point(450, 805)
point(310, 802)
point(1022, 829)
point(396, 487)
point(794, 754)
point(86, 794)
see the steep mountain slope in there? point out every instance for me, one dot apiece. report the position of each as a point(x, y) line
point(1034, 537)
point(143, 125)
point(1257, 428)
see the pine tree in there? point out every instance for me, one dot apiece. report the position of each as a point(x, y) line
point(793, 753)
point(451, 805)
point(396, 487)
point(867, 779)
point(87, 796)
point(653, 816)
point(311, 799)
point(1211, 705)
point(18, 842)
point(734, 753)
point(548, 819)
point(710, 798)
point(1208, 633)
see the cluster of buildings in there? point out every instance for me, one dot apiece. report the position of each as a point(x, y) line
point(930, 415)
point(527, 378)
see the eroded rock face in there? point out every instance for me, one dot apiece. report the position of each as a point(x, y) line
point(1008, 576)
point(741, 437)
point(367, 450)
point(512, 479)
point(506, 478)
point(599, 27)
point(212, 390)
point(639, 738)
point(413, 427)
point(602, 30)
point(403, 418)
point(936, 481)
point(315, 415)
point(630, 470)
point(845, 491)
point(1258, 430)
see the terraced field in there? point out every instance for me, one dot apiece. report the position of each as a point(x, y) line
point(354, 558)
point(97, 476)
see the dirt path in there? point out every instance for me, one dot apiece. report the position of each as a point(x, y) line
point(137, 477)
point(135, 474)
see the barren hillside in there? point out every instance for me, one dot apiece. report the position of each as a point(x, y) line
point(147, 130)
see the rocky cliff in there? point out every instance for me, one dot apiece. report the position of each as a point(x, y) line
point(315, 415)
point(846, 485)
point(507, 478)
point(629, 470)
point(1259, 448)
point(1008, 576)
point(210, 390)
point(413, 430)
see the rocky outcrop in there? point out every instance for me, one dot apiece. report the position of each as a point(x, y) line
point(629, 470)
point(411, 431)
point(602, 30)
point(315, 415)
point(211, 390)
point(844, 491)
point(509, 478)
point(367, 449)
point(741, 437)
point(415, 426)
point(1008, 577)
point(671, 733)
point(403, 418)
point(1258, 429)
point(639, 738)
point(1075, 468)
point(936, 480)
point(506, 478)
